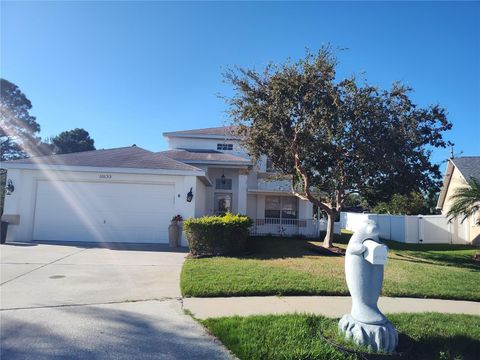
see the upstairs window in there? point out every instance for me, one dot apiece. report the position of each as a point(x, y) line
point(223, 184)
point(228, 147)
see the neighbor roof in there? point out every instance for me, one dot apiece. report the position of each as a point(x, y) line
point(197, 156)
point(469, 166)
point(125, 157)
point(222, 132)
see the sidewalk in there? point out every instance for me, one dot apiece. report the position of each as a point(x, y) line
point(330, 306)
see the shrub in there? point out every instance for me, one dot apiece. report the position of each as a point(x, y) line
point(217, 235)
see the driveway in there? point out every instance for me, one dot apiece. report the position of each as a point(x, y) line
point(85, 302)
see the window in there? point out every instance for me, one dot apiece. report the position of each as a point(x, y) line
point(223, 202)
point(289, 207)
point(269, 165)
point(225, 147)
point(225, 185)
point(281, 207)
point(272, 207)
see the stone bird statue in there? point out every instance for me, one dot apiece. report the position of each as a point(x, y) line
point(364, 266)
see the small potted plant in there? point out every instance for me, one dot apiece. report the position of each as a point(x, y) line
point(174, 231)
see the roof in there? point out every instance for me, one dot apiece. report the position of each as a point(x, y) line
point(469, 166)
point(126, 157)
point(197, 156)
point(221, 132)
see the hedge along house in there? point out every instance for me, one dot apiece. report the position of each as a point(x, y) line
point(130, 194)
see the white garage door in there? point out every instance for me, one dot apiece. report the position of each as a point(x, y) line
point(103, 212)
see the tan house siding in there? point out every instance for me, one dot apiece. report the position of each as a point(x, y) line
point(466, 231)
point(474, 231)
point(456, 181)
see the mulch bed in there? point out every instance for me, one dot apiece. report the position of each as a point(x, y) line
point(333, 251)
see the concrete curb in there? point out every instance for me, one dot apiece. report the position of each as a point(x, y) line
point(330, 306)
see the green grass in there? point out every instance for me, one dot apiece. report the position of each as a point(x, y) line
point(285, 266)
point(277, 337)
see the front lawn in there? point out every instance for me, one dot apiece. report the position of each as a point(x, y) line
point(435, 336)
point(285, 266)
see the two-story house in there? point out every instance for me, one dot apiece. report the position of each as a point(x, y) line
point(237, 184)
point(130, 194)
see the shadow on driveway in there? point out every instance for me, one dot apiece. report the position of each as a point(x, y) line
point(142, 330)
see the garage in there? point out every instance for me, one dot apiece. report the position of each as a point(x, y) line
point(104, 212)
point(122, 195)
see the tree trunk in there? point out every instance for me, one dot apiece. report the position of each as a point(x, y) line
point(328, 240)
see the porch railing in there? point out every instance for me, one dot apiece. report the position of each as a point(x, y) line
point(287, 227)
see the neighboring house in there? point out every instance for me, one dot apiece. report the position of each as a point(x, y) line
point(459, 170)
point(130, 194)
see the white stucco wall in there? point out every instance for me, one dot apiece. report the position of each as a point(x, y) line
point(200, 199)
point(305, 209)
point(22, 201)
point(252, 206)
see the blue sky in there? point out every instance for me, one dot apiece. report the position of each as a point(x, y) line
point(128, 71)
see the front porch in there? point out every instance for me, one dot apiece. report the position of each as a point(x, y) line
point(309, 228)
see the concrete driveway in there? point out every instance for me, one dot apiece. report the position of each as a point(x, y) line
point(84, 302)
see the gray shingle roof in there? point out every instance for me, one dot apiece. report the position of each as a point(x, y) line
point(125, 157)
point(469, 166)
point(199, 155)
point(217, 132)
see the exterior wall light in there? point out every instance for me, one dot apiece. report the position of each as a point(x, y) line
point(10, 188)
point(190, 195)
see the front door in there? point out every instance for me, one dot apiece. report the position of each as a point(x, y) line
point(223, 203)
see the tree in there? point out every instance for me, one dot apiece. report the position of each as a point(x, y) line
point(71, 141)
point(466, 201)
point(334, 138)
point(18, 129)
point(412, 204)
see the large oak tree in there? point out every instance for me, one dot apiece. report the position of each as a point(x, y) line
point(333, 137)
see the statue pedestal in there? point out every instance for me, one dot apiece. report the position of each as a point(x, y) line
point(378, 337)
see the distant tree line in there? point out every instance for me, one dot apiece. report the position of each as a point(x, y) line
point(19, 133)
point(19, 130)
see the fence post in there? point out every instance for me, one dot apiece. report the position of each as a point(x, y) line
point(420, 229)
point(390, 228)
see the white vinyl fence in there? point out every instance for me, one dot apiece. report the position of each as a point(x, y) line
point(426, 229)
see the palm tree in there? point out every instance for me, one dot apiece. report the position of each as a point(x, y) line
point(466, 201)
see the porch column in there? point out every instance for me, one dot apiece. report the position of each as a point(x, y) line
point(242, 191)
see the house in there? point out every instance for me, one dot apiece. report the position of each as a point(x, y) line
point(130, 194)
point(459, 171)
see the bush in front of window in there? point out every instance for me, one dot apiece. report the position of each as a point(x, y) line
point(217, 235)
